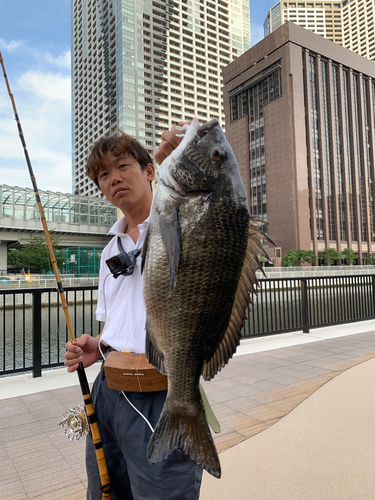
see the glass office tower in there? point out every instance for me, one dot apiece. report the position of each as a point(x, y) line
point(144, 65)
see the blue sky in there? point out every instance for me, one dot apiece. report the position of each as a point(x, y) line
point(35, 45)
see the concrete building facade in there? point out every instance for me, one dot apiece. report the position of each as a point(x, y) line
point(349, 23)
point(143, 65)
point(300, 118)
point(359, 27)
point(322, 18)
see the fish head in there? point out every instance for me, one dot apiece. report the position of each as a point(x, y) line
point(202, 163)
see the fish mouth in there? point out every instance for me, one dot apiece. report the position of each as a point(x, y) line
point(185, 193)
point(206, 128)
point(195, 132)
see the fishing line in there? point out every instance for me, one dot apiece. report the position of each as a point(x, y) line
point(101, 352)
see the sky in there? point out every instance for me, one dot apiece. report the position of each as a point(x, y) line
point(35, 45)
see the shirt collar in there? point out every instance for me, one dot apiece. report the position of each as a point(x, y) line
point(119, 226)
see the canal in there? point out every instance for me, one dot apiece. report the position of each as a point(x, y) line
point(16, 327)
point(281, 305)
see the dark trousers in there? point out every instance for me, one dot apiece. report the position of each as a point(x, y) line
point(125, 437)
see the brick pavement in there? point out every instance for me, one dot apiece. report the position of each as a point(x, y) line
point(249, 395)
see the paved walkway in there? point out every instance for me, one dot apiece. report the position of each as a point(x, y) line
point(323, 449)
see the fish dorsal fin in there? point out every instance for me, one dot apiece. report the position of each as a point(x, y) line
point(246, 284)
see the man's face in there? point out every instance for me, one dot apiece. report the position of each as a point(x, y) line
point(123, 183)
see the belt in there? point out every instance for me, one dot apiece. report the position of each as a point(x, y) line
point(106, 349)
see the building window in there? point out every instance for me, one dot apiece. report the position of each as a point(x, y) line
point(328, 154)
point(271, 90)
point(338, 149)
point(258, 201)
point(250, 99)
point(359, 156)
point(315, 151)
point(369, 168)
point(349, 158)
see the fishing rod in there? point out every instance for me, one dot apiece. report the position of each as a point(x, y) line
point(90, 412)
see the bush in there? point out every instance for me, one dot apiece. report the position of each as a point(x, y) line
point(295, 258)
point(349, 255)
point(330, 255)
point(370, 260)
point(34, 255)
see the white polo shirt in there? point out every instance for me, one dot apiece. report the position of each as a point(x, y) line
point(121, 306)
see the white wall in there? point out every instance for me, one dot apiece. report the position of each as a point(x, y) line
point(3, 255)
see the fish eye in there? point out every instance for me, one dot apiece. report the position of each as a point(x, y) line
point(216, 154)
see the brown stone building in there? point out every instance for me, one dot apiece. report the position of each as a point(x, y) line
point(300, 118)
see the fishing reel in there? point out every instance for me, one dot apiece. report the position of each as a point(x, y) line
point(75, 423)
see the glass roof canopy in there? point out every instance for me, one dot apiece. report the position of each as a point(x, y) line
point(20, 203)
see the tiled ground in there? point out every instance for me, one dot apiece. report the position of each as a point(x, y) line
point(253, 392)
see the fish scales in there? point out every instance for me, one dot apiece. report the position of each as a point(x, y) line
point(195, 251)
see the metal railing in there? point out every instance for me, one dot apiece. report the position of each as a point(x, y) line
point(291, 304)
point(70, 280)
point(33, 332)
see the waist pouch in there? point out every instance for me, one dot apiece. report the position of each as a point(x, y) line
point(128, 371)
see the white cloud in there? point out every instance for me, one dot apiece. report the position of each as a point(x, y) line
point(43, 104)
point(51, 86)
point(63, 61)
point(10, 46)
point(52, 176)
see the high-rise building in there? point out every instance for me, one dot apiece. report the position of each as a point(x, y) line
point(142, 65)
point(322, 18)
point(300, 117)
point(349, 23)
point(359, 27)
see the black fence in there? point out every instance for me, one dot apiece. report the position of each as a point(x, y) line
point(291, 304)
point(33, 331)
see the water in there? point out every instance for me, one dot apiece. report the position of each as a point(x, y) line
point(16, 338)
point(278, 306)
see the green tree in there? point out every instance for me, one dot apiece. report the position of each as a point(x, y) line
point(34, 254)
point(330, 255)
point(349, 255)
point(370, 260)
point(298, 257)
point(15, 259)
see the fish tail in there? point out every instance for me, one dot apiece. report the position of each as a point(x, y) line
point(191, 435)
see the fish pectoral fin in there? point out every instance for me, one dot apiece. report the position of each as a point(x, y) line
point(226, 348)
point(154, 357)
point(170, 235)
point(246, 284)
point(144, 249)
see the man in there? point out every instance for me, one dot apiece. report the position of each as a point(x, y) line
point(123, 170)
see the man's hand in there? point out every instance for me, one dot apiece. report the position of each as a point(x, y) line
point(84, 349)
point(169, 142)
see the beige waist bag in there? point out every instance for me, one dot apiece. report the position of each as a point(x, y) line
point(128, 371)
